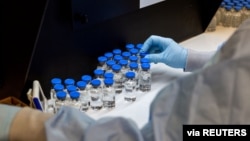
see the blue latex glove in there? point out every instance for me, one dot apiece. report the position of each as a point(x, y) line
point(165, 50)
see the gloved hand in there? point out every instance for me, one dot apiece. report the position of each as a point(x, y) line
point(165, 50)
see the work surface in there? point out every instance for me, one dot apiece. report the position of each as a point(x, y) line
point(162, 75)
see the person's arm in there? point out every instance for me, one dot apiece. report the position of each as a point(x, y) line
point(166, 50)
point(197, 59)
point(22, 124)
point(7, 114)
point(219, 94)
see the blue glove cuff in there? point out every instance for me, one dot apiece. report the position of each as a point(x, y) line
point(178, 58)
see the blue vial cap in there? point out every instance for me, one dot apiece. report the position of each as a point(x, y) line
point(248, 7)
point(244, 3)
point(71, 88)
point(117, 52)
point(110, 63)
point(226, 1)
point(222, 4)
point(81, 84)
point(228, 8)
point(145, 66)
point(130, 74)
point(86, 78)
point(129, 46)
point(108, 55)
point(237, 8)
point(236, 2)
point(108, 81)
point(139, 46)
point(61, 95)
point(108, 75)
point(133, 58)
point(133, 65)
point(134, 51)
point(126, 54)
point(144, 60)
point(69, 81)
point(98, 72)
point(116, 67)
point(58, 87)
point(74, 95)
point(230, 4)
point(117, 58)
point(95, 82)
point(56, 81)
point(102, 59)
point(143, 54)
point(239, 4)
point(123, 62)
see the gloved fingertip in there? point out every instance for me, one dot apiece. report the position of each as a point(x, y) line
point(151, 58)
point(148, 57)
point(141, 51)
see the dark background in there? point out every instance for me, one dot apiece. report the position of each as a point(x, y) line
point(20, 21)
point(63, 38)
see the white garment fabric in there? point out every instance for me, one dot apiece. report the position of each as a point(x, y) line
point(219, 93)
point(197, 59)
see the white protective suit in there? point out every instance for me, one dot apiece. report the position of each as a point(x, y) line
point(219, 93)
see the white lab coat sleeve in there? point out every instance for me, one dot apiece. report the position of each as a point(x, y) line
point(197, 59)
point(70, 124)
point(216, 94)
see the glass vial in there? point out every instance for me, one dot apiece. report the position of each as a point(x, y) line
point(134, 52)
point(84, 96)
point(134, 68)
point(227, 16)
point(53, 82)
point(71, 88)
point(133, 59)
point(60, 100)
point(117, 52)
point(102, 63)
point(130, 87)
point(143, 60)
point(69, 81)
point(109, 55)
point(124, 68)
point(118, 78)
point(141, 55)
point(95, 93)
point(56, 88)
point(117, 58)
point(236, 16)
point(74, 102)
point(139, 46)
point(108, 75)
point(108, 94)
point(110, 63)
point(126, 55)
point(246, 12)
point(99, 74)
point(87, 79)
point(145, 78)
point(129, 46)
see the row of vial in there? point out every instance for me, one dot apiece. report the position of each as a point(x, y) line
point(231, 13)
point(127, 73)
